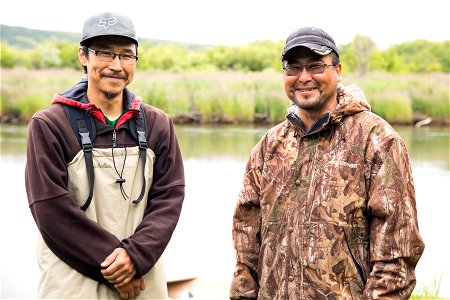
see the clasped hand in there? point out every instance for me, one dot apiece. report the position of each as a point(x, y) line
point(119, 270)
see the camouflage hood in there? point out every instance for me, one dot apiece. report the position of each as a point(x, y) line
point(351, 100)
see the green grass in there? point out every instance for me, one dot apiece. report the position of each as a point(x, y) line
point(430, 292)
point(233, 97)
point(404, 98)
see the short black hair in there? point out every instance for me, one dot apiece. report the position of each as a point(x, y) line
point(85, 47)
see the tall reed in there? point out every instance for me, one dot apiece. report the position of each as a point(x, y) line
point(233, 97)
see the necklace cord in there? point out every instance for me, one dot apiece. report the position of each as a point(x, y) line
point(120, 180)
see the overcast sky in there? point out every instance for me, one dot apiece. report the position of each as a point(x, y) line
point(238, 22)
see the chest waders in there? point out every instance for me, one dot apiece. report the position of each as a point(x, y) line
point(83, 125)
point(121, 218)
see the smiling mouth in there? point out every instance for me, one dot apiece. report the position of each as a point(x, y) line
point(305, 89)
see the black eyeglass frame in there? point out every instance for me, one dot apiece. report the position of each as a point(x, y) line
point(110, 56)
point(320, 68)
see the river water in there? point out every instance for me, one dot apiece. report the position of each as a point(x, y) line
point(201, 246)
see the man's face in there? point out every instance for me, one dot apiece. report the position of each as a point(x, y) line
point(309, 91)
point(109, 78)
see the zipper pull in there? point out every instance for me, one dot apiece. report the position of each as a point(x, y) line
point(114, 138)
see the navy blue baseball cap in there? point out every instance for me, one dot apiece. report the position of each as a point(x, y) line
point(312, 38)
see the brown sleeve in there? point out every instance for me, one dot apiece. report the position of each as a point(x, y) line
point(246, 228)
point(396, 244)
point(165, 197)
point(75, 239)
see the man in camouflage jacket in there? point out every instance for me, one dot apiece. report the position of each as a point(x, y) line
point(327, 208)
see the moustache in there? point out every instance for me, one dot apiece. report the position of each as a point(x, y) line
point(113, 75)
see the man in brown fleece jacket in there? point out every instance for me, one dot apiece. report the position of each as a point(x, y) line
point(103, 238)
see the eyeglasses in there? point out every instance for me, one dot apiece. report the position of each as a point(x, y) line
point(109, 56)
point(315, 68)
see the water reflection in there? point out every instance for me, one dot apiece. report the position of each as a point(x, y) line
point(425, 144)
point(215, 158)
point(211, 142)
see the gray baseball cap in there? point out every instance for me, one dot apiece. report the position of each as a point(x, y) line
point(312, 38)
point(108, 23)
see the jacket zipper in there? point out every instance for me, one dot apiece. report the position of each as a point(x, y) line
point(355, 262)
point(114, 138)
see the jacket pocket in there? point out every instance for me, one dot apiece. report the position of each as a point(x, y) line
point(357, 243)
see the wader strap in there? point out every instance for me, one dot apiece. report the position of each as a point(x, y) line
point(87, 149)
point(83, 126)
point(140, 129)
point(74, 114)
point(78, 119)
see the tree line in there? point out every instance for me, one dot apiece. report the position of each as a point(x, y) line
point(360, 56)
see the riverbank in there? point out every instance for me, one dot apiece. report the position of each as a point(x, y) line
point(195, 119)
point(233, 97)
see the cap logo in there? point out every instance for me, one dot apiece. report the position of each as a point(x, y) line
point(106, 22)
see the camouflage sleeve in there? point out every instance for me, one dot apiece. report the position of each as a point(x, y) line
point(395, 242)
point(246, 230)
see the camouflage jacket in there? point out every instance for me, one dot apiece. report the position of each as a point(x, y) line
point(327, 214)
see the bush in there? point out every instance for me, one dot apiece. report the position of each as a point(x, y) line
point(430, 98)
point(232, 97)
point(394, 106)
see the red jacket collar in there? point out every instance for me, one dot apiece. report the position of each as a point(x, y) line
point(76, 97)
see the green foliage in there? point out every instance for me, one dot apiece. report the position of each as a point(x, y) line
point(360, 55)
point(218, 97)
point(256, 56)
point(27, 105)
point(362, 49)
point(7, 56)
point(389, 61)
point(47, 56)
point(68, 55)
point(156, 95)
point(37, 49)
point(234, 97)
point(203, 104)
point(348, 59)
point(12, 56)
point(223, 57)
point(391, 105)
point(357, 55)
point(20, 97)
point(429, 98)
point(424, 56)
point(25, 91)
point(259, 56)
point(161, 57)
point(400, 98)
point(271, 101)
